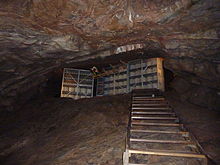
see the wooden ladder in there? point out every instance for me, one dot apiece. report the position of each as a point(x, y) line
point(153, 123)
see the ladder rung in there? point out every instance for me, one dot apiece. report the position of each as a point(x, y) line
point(153, 113)
point(162, 141)
point(150, 101)
point(158, 124)
point(151, 108)
point(154, 118)
point(172, 153)
point(147, 102)
point(156, 107)
point(150, 98)
point(135, 104)
point(135, 164)
point(162, 132)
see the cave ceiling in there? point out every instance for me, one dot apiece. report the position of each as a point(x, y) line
point(37, 36)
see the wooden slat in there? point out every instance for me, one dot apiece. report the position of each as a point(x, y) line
point(161, 141)
point(160, 132)
point(167, 153)
point(153, 118)
point(158, 124)
point(150, 102)
point(136, 164)
point(156, 105)
point(148, 98)
point(151, 108)
point(153, 113)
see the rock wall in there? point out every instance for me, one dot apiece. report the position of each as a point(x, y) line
point(38, 36)
point(186, 91)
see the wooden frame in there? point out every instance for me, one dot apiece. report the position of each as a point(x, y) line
point(77, 83)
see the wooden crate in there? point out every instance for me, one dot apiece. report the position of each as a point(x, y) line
point(77, 83)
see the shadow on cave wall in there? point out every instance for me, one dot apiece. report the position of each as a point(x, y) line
point(168, 78)
point(183, 90)
point(53, 85)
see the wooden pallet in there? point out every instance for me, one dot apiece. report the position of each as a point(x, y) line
point(154, 112)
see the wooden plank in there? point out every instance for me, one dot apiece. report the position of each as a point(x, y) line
point(160, 74)
point(153, 118)
point(145, 104)
point(152, 113)
point(153, 99)
point(148, 98)
point(151, 108)
point(148, 95)
point(171, 153)
point(149, 102)
point(161, 141)
point(157, 124)
point(136, 164)
point(160, 132)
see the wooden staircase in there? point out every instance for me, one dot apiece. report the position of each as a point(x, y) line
point(155, 134)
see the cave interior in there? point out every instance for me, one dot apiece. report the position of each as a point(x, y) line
point(39, 38)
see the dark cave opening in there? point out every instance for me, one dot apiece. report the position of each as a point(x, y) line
point(168, 78)
point(53, 84)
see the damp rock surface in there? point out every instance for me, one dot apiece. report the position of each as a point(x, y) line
point(37, 37)
point(63, 131)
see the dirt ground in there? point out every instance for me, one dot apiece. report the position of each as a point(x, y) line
point(63, 131)
point(57, 131)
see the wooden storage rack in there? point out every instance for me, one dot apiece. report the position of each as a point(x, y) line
point(77, 83)
point(146, 112)
point(137, 74)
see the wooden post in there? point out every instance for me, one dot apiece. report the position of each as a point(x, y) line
point(61, 93)
point(160, 74)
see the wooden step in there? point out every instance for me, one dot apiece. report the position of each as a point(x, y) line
point(152, 113)
point(159, 132)
point(148, 98)
point(157, 124)
point(151, 102)
point(153, 118)
point(151, 108)
point(171, 153)
point(156, 105)
point(136, 164)
point(161, 141)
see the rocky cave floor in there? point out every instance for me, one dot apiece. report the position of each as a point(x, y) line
point(59, 131)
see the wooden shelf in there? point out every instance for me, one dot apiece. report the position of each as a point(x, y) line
point(139, 74)
point(143, 67)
